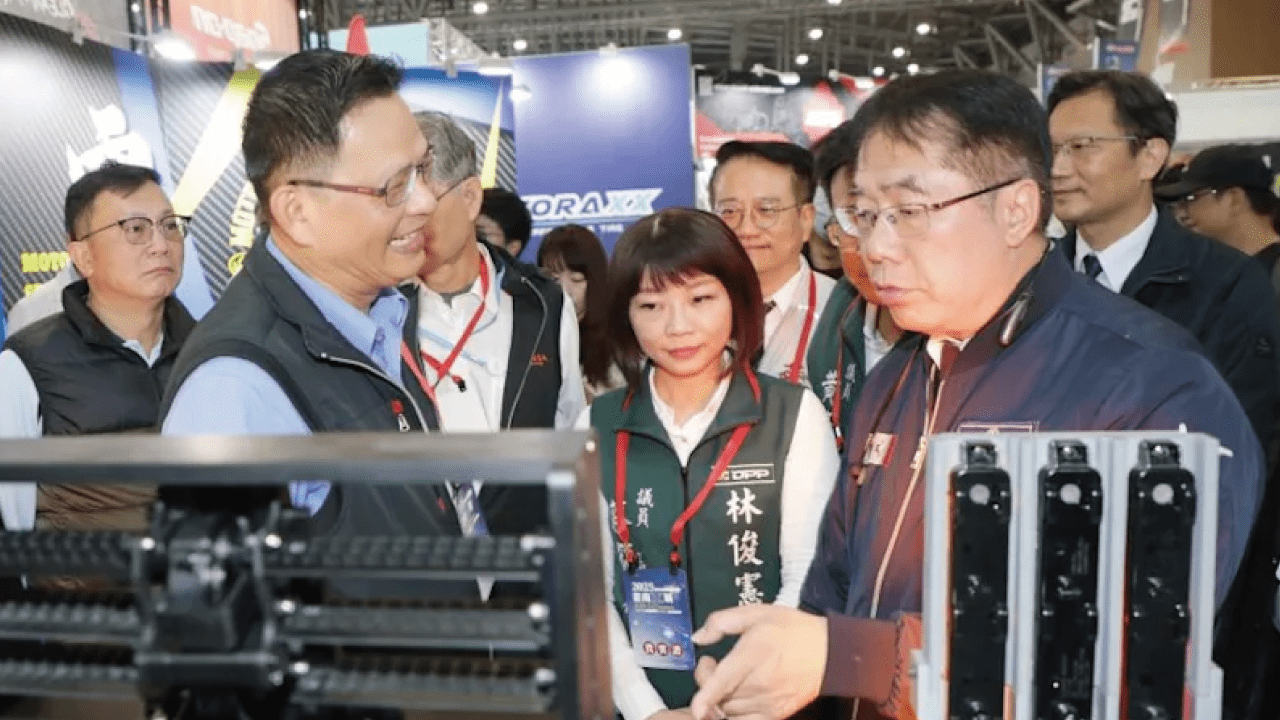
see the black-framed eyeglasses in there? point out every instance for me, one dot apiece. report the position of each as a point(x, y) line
point(394, 193)
point(763, 216)
point(1182, 203)
point(1080, 146)
point(910, 220)
point(138, 230)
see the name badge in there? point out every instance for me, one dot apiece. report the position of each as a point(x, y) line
point(660, 620)
point(879, 449)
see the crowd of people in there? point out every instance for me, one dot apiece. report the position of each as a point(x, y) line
point(763, 382)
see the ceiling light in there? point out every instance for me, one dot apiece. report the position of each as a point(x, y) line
point(135, 7)
point(878, 71)
point(675, 34)
point(924, 28)
point(899, 51)
point(789, 78)
point(913, 68)
point(519, 45)
point(302, 14)
point(480, 8)
point(834, 2)
point(802, 59)
point(815, 33)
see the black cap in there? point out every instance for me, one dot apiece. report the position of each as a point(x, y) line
point(1225, 166)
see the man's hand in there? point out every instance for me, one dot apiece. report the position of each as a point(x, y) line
point(775, 669)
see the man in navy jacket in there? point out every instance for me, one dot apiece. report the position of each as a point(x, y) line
point(952, 182)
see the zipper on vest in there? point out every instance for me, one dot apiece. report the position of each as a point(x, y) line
point(688, 538)
point(378, 373)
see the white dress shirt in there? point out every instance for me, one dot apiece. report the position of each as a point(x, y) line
point(874, 344)
point(811, 466)
point(1122, 256)
point(20, 418)
point(783, 325)
point(482, 364)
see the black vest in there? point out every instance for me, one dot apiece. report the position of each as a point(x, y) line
point(265, 318)
point(532, 387)
point(88, 382)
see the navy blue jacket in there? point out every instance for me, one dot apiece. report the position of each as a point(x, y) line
point(1225, 300)
point(1083, 358)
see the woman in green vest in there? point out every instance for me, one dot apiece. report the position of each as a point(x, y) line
point(715, 478)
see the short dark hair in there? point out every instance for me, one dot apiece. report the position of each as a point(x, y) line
point(991, 126)
point(296, 110)
point(838, 150)
point(510, 213)
point(672, 245)
point(578, 249)
point(1141, 107)
point(784, 154)
point(1264, 202)
point(111, 177)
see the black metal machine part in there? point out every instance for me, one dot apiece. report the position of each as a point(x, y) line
point(1162, 511)
point(223, 614)
point(1066, 604)
point(980, 512)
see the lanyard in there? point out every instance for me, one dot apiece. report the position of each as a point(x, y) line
point(677, 528)
point(442, 368)
point(427, 387)
point(793, 375)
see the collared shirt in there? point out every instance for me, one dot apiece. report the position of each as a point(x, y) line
point(1122, 256)
point(482, 364)
point(20, 418)
point(232, 396)
point(874, 343)
point(784, 324)
point(811, 466)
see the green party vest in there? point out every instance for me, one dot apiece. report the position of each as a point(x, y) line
point(731, 549)
point(841, 324)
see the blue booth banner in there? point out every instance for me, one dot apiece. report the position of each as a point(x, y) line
point(1114, 55)
point(615, 143)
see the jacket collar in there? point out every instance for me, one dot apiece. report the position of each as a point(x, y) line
point(1166, 260)
point(288, 300)
point(177, 322)
point(740, 406)
point(1037, 293)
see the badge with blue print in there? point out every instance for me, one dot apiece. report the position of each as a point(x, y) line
point(660, 620)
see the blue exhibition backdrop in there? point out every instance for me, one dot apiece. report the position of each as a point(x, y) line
point(604, 138)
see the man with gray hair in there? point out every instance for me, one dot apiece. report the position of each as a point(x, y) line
point(498, 340)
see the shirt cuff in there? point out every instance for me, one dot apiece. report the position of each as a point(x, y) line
point(861, 658)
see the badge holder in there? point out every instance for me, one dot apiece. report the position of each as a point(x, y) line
point(659, 616)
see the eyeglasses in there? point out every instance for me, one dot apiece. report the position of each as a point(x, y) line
point(762, 216)
point(449, 189)
point(1182, 203)
point(394, 193)
point(1082, 146)
point(138, 230)
point(911, 220)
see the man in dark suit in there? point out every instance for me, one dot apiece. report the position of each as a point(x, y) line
point(1111, 133)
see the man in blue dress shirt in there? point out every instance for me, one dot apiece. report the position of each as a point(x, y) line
point(307, 338)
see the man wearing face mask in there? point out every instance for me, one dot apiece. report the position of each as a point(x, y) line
point(951, 203)
point(764, 193)
point(855, 333)
point(307, 338)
